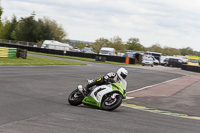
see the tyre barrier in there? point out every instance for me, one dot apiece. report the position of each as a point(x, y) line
point(21, 53)
point(191, 68)
point(7, 52)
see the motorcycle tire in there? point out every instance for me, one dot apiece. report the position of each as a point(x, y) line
point(113, 106)
point(75, 98)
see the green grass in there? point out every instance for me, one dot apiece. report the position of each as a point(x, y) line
point(79, 58)
point(35, 61)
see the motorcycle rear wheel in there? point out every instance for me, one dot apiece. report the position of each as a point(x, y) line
point(75, 98)
point(111, 104)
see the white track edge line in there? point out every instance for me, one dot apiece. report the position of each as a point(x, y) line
point(156, 84)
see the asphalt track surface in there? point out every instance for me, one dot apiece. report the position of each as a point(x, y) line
point(34, 100)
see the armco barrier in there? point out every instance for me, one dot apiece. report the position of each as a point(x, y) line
point(100, 58)
point(70, 53)
point(190, 68)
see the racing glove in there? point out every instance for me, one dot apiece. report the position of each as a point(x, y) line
point(109, 77)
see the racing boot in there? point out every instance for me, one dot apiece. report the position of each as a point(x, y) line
point(83, 90)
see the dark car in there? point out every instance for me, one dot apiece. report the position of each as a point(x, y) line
point(164, 62)
point(171, 62)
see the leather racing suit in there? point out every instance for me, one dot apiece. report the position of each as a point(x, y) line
point(110, 77)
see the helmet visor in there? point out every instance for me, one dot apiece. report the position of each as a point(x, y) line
point(123, 75)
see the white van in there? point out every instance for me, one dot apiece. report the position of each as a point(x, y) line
point(155, 61)
point(107, 51)
point(52, 44)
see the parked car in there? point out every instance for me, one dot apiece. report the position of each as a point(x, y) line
point(76, 50)
point(164, 62)
point(148, 62)
point(87, 50)
point(193, 60)
point(174, 62)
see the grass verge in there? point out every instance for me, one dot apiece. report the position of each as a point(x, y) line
point(79, 58)
point(35, 61)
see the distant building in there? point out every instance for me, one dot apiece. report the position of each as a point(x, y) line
point(134, 54)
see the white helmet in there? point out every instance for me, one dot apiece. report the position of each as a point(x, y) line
point(122, 73)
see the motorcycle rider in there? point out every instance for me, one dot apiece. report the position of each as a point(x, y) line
point(110, 77)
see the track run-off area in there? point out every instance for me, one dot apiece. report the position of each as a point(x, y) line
point(33, 99)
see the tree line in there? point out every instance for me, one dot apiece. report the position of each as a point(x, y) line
point(134, 44)
point(31, 30)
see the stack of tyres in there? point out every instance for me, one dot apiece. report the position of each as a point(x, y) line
point(8, 52)
point(12, 53)
point(21, 53)
point(3, 52)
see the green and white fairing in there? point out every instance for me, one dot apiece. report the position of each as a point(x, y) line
point(99, 92)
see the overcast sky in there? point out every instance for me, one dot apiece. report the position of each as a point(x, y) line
point(172, 23)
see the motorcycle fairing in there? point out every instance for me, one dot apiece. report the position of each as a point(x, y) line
point(98, 93)
point(120, 88)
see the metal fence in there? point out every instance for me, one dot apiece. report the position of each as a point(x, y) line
point(30, 44)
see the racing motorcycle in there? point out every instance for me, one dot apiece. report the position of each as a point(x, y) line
point(107, 97)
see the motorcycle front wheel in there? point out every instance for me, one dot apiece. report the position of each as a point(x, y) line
point(75, 98)
point(110, 104)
